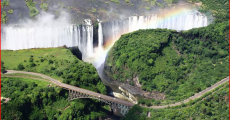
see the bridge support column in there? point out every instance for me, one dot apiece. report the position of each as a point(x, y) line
point(70, 95)
point(124, 109)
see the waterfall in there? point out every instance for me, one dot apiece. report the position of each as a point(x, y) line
point(89, 31)
point(44, 36)
point(17, 37)
point(100, 35)
point(112, 30)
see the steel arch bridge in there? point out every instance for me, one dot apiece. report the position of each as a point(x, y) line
point(78, 95)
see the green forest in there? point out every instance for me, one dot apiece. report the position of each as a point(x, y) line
point(35, 100)
point(213, 106)
point(177, 64)
point(59, 63)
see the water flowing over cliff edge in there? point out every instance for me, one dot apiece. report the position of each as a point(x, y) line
point(94, 41)
point(15, 37)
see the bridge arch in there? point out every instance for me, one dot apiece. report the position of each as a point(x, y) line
point(73, 95)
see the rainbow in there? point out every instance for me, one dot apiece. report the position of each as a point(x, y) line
point(177, 18)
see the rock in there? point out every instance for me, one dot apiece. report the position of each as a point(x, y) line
point(125, 95)
point(149, 114)
point(136, 82)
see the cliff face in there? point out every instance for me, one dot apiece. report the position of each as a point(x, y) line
point(131, 92)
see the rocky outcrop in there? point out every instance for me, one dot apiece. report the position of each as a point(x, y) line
point(136, 82)
point(134, 90)
point(128, 95)
point(125, 95)
point(75, 51)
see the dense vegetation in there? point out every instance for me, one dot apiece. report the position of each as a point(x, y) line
point(35, 100)
point(4, 3)
point(3, 69)
point(214, 106)
point(136, 51)
point(44, 6)
point(4, 17)
point(218, 8)
point(11, 11)
point(178, 64)
point(58, 63)
point(31, 5)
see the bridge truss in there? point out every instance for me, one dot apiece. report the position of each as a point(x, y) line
point(78, 95)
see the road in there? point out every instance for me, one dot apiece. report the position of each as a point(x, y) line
point(197, 95)
point(74, 88)
point(116, 100)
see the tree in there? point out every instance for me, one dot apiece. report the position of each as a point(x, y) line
point(135, 114)
point(51, 61)
point(20, 66)
point(31, 59)
point(3, 69)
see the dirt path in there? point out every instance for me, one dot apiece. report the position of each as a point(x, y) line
point(60, 109)
point(176, 50)
point(26, 77)
point(197, 95)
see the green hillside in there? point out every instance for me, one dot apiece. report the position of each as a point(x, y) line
point(177, 64)
point(58, 63)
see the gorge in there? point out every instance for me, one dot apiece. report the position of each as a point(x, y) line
point(15, 37)
point(47, 35)
point(152, 53)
